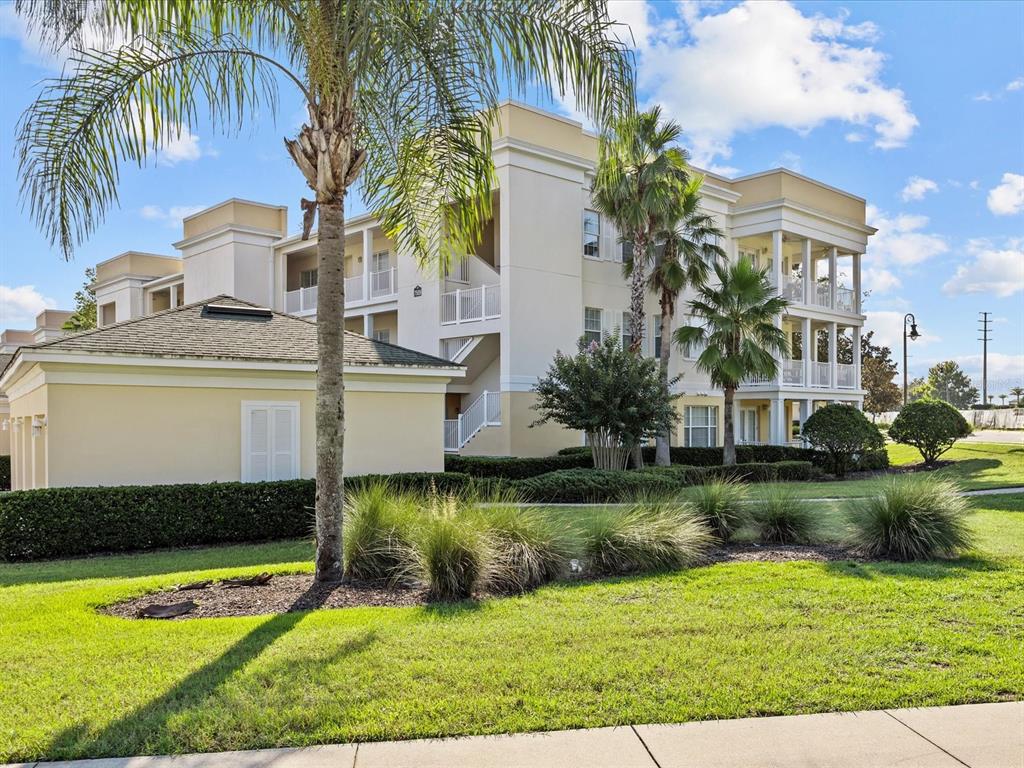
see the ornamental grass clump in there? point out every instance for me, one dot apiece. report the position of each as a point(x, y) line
point(781, 517)
point(452, 549)
point(720, 505)
point(528, 548)
point(917, 518)
point(378, 534)
point(644, 537)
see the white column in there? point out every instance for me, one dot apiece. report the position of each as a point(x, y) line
point(856, 357)
point(367, 258)
point(14, 425)
point(808, 347)
point(777, 420)
point(856, 282)
point(833, 330)
point(368, 325)
point(808, 267)
point(777, 259)
point(736, 420)
point(833, 255)
point(805, 413)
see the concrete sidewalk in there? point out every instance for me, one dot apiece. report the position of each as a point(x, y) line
point(973, 735)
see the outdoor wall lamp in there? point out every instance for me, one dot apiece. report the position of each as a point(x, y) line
point(910, 320)
point(37, 425)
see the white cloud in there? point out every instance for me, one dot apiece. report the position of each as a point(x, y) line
point(855, 137)
point(1007, 198)
point(899, 241)
point(994, 270)
point(1016, 84)
point(20, 305)
point(790, 160)
point(1003, 369)
point(888, 328)
point(917, 188)
point(39, 53)
point(763, 64)
point(169, 216)
point(983, 96)
point(974, 184)
point(879, 280)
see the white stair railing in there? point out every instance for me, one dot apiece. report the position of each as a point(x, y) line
point(452, 348)
point(485, 411)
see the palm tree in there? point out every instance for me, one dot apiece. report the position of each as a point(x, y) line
point(640, 176)
point(400, 94)
point(688, 249)
point(1018, 393)
point(738, 327)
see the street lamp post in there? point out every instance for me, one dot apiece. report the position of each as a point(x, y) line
point(910, 320)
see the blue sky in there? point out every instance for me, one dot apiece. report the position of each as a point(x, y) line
point(917, 107)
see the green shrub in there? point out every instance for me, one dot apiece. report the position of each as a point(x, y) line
point(528, 548)
point(5, 473)
point(513, 468)
point(795, 471)
point(754, 472)
point(680, 473)
point(720, 504)
point(575, 450)
point(931, 426)
point(69, 522)
point(644, 537)
point(873, 461)
point(592, 485)
point(915, 518)
point(781, 517)
point(843, 432)
point(378, 530)
point(453, 554)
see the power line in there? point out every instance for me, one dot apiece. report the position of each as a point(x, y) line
point(986, 337)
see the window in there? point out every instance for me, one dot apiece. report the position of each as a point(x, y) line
point(700, 426)
point(625, 251)
point(626, 330)
point(270, 441)
point(307, 278)
point(383, 335)
point(748, 425)
point(656, 335)
point(591, 234)
point(381, 261)
point(592, 324)
point(692, 351)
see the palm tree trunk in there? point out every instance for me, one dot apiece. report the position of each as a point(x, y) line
point(330, 390)
point(662, 455)
point(729, 443)
point(638, 290)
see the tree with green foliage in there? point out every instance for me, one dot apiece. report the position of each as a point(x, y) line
point(948, 382)
point(844, 433)
point(1018, 394)
point(737, 314)
point(878, 377)
point(400, 96)
point(84, 316)
point(918, 389)
point(932, 426)
point(641, 175)
point(612, 394)
point(688, 248)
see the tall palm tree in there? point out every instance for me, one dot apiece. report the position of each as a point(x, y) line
point(1018, 393)
point(400, 94)
point(688, 249)
point(640, 176)
point(738, 316)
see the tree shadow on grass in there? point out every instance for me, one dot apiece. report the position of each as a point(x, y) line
point(930, 570)
point(146, 725)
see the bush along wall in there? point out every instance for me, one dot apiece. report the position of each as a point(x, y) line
point(5, 473)
point(511, 468)
point(69, 522)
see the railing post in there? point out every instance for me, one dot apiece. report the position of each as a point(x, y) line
point(458, 437)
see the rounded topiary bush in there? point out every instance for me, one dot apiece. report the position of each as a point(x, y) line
point(915, 518)
point(843, 432)
point(719, 504)
point(781, 517)
point(931, 426)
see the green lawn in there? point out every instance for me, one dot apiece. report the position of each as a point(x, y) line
point(721, 641)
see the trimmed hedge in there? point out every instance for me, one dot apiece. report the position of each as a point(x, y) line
point(572, 486)
point(750, 454)
point(5, 473)
point(511, 468)
point(69, 522)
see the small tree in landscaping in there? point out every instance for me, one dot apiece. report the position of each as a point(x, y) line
point(611, 394)
point(931, 426)
point(843, 432)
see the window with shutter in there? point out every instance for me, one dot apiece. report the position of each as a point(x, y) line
point(270, 441)
point(591, 234)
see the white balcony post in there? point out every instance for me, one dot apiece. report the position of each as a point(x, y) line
point(367, 258)
point(833, 370)
point(808, 345)
point(808, 268)
point(833, 256)
point(856, 282)
point(856, 357)
point(777, 259)
point(805, 413)
point(368, 325)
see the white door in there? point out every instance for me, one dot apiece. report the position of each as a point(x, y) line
point(270, 441)
point(748, 425)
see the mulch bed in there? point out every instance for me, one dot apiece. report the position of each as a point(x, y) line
point(285, 593)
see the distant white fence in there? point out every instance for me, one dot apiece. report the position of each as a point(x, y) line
point(1001, 418)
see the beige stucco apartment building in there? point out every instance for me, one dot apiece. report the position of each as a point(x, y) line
point(548, 270)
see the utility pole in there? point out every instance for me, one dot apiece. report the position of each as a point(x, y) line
point(985, 321)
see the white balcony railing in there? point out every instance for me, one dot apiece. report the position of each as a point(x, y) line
point(458, 270)
point(384, 283)
point(793, 289)
point(821, 375)
point(471, 304)
point(485, 411)
point(756, 380)
point(300, 301)
point(844, 299)
point(354, 289)
point(846, 376)
point(821, 295)
point(793, 372)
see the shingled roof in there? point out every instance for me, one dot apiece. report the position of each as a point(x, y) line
point(200, 331)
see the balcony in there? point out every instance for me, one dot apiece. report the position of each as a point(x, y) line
point(468, 305)
point(301, 301)
point(846, 376)
point(383, 286)
point(820, 294)
point(791, 374)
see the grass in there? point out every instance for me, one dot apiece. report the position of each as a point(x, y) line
point(722, 641)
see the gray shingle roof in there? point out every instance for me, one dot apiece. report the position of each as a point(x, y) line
point(193, 331)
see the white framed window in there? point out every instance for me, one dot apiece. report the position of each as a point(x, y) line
point(270, 440)
point(307, 278)
point(748, 426)
point(700, 426)
point(383, 335)
point(626, 330)
point(624, 252)
point(592, 324)
point(591, 234)
point(655, 328)
point(381, 261)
